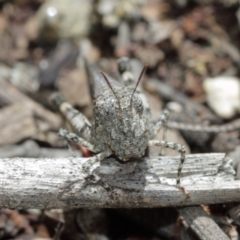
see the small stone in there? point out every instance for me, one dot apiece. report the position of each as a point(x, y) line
point(64, 19)
point(223, 95)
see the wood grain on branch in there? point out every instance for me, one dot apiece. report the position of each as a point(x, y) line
point(61, 183)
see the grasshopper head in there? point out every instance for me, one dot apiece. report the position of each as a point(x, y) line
point(124, 122)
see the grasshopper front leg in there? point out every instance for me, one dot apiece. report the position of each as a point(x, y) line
point(162, 123)
point(72, 137)
point(175, 146)
point(88, 167)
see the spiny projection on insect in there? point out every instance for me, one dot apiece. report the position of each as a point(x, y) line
point(122, 123)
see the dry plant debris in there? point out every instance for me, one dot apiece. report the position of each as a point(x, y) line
point(185, 43)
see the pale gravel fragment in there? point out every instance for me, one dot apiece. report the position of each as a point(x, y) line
point(223, 94)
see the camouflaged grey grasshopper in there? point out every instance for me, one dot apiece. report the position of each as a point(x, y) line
point(122, 123)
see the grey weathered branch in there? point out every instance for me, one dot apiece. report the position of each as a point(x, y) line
point(61, 183)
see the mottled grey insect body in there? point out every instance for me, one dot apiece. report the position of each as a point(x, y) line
point(122, 123)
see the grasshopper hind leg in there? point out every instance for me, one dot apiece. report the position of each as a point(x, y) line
point(162, 124)
point(76, 119)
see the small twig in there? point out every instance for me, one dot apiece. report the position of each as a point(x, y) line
point(234, 213)
point(10, 94)
point(202, 224)
point(58, 231)
point(174, 95)
point(30, 149)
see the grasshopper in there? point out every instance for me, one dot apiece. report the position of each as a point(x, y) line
point(122, 123)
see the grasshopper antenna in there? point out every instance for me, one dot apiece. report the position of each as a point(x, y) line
point(108, 83)
point(110, 86)
point(143, 70)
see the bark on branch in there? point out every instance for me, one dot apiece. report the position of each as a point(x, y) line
point(61, 183)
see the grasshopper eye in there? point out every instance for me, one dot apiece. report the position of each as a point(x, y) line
point(137, 103)
point(109, 112)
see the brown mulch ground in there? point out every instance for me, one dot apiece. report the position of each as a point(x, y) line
point(182, 42)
